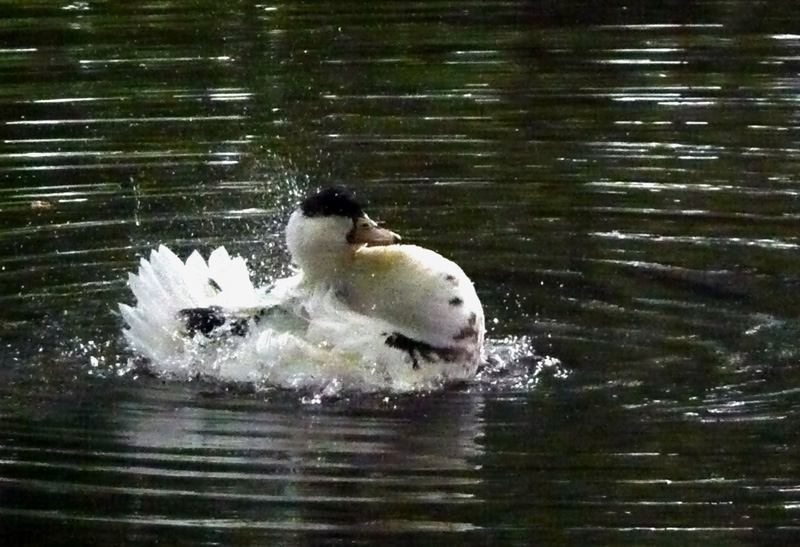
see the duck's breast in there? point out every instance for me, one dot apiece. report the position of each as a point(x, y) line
point(426, 296)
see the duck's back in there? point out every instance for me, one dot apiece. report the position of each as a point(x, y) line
point(426, 296)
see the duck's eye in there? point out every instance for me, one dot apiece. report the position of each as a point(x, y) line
point(365, 225)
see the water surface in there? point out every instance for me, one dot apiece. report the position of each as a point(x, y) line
point(620, 181)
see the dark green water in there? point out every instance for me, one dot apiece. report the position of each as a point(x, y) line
point(620, 180)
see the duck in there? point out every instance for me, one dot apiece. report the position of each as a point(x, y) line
point(362, 310)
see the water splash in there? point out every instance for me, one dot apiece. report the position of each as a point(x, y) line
point(513, 364)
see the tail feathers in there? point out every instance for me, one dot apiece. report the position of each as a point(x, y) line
point(198, 276)
point(150, 296)
point(175, 285)
point(164, 286)
point(232, 278)
point(173, 277)
point(148, 337)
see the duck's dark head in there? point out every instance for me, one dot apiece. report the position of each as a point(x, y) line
point(331, 223)
point(335, 201)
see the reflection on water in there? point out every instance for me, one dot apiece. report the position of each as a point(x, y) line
point(619, 181)
point(229, 463)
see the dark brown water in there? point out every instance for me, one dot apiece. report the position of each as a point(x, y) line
point(619, 180)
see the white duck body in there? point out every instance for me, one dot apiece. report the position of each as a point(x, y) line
point(397, 317)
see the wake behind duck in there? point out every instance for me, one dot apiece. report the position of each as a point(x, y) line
point(363, 313)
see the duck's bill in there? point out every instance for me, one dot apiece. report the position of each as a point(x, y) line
point(367, 232)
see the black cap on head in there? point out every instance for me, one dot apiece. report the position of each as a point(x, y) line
point(335, 201)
